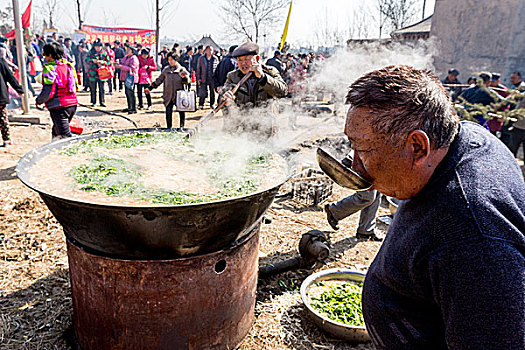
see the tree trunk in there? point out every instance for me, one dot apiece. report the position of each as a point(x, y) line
point(79, 16)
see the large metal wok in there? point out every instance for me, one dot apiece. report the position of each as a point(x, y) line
point(151, 232)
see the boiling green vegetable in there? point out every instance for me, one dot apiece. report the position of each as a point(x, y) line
point(122, 141)
point(341, 303)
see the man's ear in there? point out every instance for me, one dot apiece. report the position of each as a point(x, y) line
point(418, 144)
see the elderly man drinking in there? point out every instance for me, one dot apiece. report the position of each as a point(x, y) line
point(451, 271)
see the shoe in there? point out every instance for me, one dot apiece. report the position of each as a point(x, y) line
point(140, 107)
point(200, 107)
point(102, 105)
point(149, 108)
point(93, 105)
point(130, 112)
point(8, 143)
point(369, 237)
point(330, 218)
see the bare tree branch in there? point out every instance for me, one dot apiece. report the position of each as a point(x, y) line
point(398, 13)
point(50, 9)
point(251, 18)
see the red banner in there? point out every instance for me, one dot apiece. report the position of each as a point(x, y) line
point(145, 37)
point(26, 21)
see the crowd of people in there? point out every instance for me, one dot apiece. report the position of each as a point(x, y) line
point(486, 89)
point(130, 67)
point(123, 66)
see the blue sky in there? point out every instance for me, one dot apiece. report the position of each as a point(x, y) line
point(189, 19)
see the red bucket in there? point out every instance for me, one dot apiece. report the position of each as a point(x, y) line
point(77, 126)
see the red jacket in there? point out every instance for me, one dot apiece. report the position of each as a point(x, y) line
point(59, 96)
point(145, 75)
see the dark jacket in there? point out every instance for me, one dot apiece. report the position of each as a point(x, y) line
point(185, 61)
point(173, 82)
point(6, 76)
point(226, 65)
point(119, 53)
point(195, 61)
point(449, 274)
point(202, 68)
point(453, 91)
point(479, 95)
point(276, 62)
point(256, 91)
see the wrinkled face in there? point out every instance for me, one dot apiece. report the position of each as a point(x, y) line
point(246, 62)
point(515, 79)
point(386, 167)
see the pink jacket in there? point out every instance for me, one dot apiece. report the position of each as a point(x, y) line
point(145, 75)
point(129, 65)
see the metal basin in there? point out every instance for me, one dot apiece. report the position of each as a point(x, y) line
point(393, 204)
point(149, 232)
point(337, 329)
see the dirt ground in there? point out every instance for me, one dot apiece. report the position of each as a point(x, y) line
point(35, 299)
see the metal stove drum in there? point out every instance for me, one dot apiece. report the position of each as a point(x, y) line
point(158, 277)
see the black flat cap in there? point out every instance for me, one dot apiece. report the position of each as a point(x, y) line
point(453, 71)
point(248, 48)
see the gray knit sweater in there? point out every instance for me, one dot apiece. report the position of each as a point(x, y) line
point(451, 271)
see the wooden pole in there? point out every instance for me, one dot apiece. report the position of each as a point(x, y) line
point(157, 31)
point(20, 51)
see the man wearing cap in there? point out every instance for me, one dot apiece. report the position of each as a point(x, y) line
point(276, 62)
point(452, 78)
point(264, 84)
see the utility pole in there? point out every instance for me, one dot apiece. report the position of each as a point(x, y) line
point(157, 31)
point(424, 5)
point(20, 51)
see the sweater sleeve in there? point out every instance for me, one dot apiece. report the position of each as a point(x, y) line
point(10, 78)
point(273, 83)
point(48, 90)
point(480, 288)
point(159, 80)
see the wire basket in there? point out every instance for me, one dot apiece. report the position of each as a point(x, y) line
point(311, 187)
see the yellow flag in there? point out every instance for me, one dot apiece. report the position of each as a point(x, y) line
point(285, 32)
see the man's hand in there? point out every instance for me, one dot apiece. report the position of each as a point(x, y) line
point(256, 68)
point(147, 90)
point(229, 97)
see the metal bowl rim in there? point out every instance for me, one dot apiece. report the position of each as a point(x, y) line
point(99, 134)
point(335, 272)
point(392, 202)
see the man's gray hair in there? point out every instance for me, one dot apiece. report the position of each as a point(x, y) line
point(405, 99)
